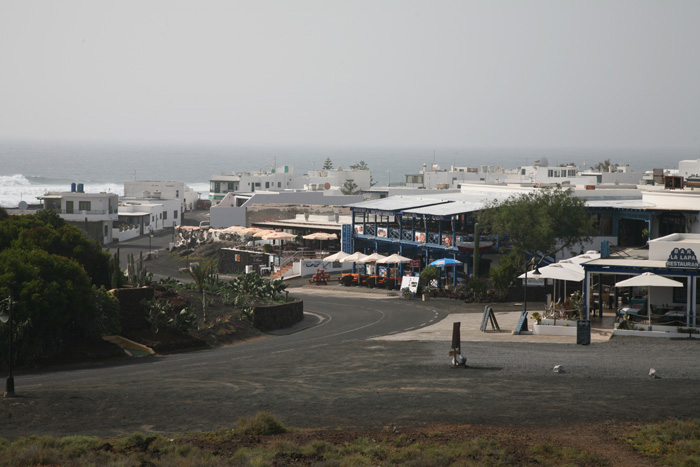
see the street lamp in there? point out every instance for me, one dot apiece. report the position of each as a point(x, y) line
point(5, 316)
point(536, 273)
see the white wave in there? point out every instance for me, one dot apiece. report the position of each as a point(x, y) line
point(13, 180)
point(12, 194)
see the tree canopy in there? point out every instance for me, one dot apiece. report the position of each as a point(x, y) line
point(328, 164)
point(51, 271)
point(362, 165)
point(350, 188)
point(56, 306)
point(54, 236)
point(543, 221)
point(604, 166)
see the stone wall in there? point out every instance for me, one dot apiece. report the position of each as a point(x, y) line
point(270, 317)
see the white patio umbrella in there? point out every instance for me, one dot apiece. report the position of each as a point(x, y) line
point(248, 230)
point(585, 257)
point(263, 232)
point(394, 259)
point(353, 258)
point(559, 272)
point(321, 236)
point(575, 263)
point(648, 279)
point(281, 236)
point(373, 258)
point(336, 256)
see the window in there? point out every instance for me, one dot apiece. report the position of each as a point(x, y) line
point(177, 193)
point(267, 184)
point(257, 184)
point(69, 207)
point(279, 184)
point(84, 205)
point(165, 215)
point(174, 214)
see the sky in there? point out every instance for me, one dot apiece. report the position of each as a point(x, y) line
point(516, 74)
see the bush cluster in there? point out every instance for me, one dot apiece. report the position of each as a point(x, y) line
point(56, 276)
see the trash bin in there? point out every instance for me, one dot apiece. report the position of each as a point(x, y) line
point(249, 268)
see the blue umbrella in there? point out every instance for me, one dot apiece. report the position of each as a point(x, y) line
point(441, 263)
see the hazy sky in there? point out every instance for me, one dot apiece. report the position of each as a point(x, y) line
point(598, 74)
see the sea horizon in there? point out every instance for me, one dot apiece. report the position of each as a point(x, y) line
point(30, 169)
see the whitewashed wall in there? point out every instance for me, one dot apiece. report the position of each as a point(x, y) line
point(308, 267)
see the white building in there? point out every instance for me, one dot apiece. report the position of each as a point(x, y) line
point(540, 174)
point(153, 214)
point(162, 190)
point(93, 213)
point(234, 209)
point(689, 169)
point(283, 178)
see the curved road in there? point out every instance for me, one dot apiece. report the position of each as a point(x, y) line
point(341, 368)
point(290, 372)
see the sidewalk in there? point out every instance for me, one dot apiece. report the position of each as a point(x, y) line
point(507, 321)
point(470, 315)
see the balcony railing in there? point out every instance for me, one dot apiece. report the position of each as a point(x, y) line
point(99, 212)
point(406, 235)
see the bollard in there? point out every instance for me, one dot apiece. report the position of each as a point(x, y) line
point(456, 352)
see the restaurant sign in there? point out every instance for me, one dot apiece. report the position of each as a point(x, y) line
point(682, 258)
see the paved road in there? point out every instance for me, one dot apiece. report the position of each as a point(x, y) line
point(340, 368)
point(211, 389)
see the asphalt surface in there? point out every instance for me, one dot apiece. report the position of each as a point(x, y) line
point(367, 359)
point(341, 367)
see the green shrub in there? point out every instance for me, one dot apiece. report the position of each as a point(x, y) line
point(478, 287)
point(162, 314)
point(261, 424)
point(428, 274)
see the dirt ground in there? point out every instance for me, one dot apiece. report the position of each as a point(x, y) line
point(602, 442)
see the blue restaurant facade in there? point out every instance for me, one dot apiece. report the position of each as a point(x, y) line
point(674, 257)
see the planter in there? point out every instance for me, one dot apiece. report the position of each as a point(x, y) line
point(668, 332)
point(549, 330)
point(560, 322)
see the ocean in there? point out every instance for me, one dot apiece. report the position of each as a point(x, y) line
point(28, 170)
